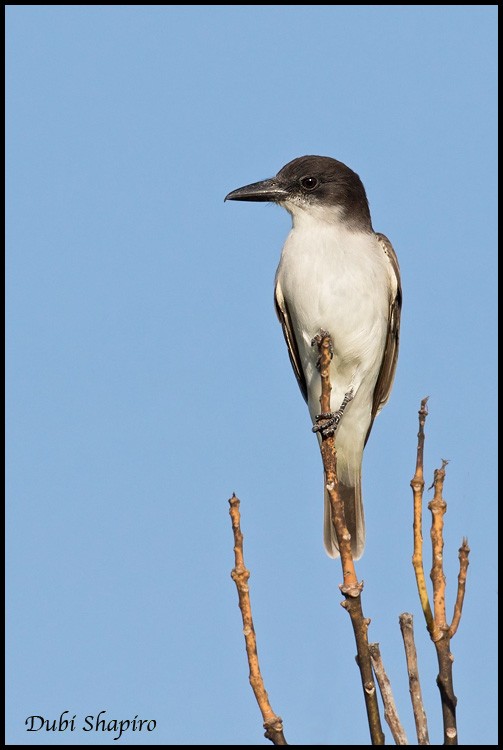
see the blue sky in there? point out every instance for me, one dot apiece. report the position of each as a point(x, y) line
point(147, 377)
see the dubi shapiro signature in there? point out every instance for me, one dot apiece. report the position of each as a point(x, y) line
point(91, 723)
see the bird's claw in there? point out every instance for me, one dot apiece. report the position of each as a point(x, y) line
point(328, 421)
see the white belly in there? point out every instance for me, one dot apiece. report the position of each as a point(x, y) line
point(338, 280)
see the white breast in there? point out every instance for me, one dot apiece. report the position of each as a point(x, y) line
point(336, 279)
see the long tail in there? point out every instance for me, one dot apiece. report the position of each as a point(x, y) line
point(355, 521)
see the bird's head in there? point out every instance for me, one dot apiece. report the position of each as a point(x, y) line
point(317, 184)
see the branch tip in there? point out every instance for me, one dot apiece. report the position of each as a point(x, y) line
point(240, 576)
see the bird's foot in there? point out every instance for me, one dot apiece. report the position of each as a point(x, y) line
point(316, 341)
point(327, 422)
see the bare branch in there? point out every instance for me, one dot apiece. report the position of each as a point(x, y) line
point(446, 688)
point(464, 551)
point(240, 575)
point(351, 587)
point(407, 628)
point(417, 484)
point(440, 631)
point(438, 507)
point(390, 712)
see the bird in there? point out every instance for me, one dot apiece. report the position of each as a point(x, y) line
point(336, 275)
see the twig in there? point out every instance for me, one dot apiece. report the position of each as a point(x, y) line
point(438, 506)
point(240, 575)
point(390, 712)
point(464, 551)
point(407, 628)
point(351, 587)
point(417, 484)
point(436, 623)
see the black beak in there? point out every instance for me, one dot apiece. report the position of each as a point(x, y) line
point(267, 190)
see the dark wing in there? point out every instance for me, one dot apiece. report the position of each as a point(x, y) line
point(388, 364)
point(293, 350)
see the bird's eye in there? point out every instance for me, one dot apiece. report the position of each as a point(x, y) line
point(309, 183)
